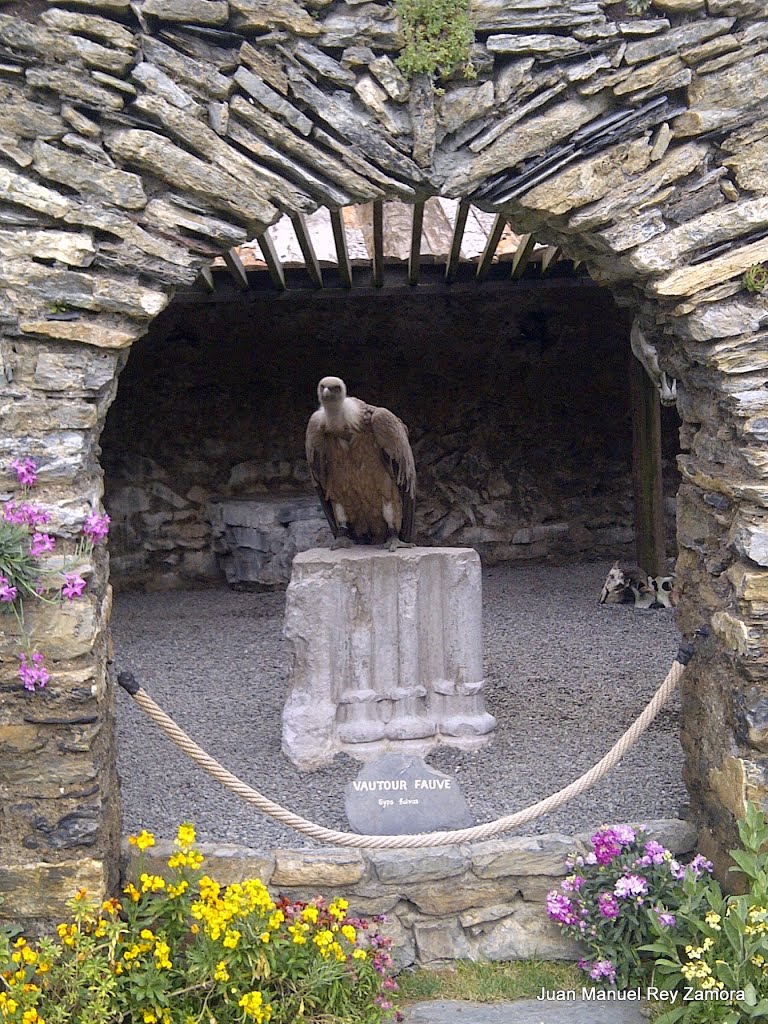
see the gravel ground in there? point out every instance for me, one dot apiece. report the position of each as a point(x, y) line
point(565, 677)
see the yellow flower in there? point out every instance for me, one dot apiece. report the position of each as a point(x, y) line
point(30, 1017)
point(276, 919)
point(713, 920)
point(185, 836)
point(348, 932)
point(359, 954)
point(220, 972)
point(231, 939)
point(310, 914)
point(133, 892)
point(265, 936)
point(146, 933)
point(338, 909)
point(162, 961)
point(252, 1004)
point(143, 840)
point(178, 890)
point(151, 883)
point(149, 1017)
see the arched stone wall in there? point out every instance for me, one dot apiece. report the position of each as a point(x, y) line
point(138, 139)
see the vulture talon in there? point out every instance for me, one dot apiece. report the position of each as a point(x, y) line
point(394, 543)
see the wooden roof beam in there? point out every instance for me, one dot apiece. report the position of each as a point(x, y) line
point(522, 255)
point(549, 257)
point(414, 259)
point(454, 256)
point(342, 252)
point(311, 262)
point(236, 269)
point(378, 244)
point(274, 266)
point(205, 278)
point(486, 259)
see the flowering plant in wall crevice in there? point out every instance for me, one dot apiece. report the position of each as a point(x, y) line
point(29, 573)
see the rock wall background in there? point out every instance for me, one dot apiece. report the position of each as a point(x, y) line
point(517, 406)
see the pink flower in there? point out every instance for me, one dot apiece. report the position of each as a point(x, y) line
point(32, 671)
point(607, 845)
point(7, 592)
point(40, 543)
point(560, 908)
point(96, 527)
point(74, 585)
point(26, 471)
point(631, 885)
point(24, 515)
point(603, 969)
point(609, 905)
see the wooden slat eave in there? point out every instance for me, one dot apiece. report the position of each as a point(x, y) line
point(494, 236)
point(274, 266)
point(378, 243)
point(414, 260)
point(342, 252)
point(311, 262)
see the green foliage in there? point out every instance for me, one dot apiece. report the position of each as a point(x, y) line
point(486, 982)
point(18, 565)
point(638, 6)
point(438, 37)
point(182, 949)
point(717, 956)
point(756, 278)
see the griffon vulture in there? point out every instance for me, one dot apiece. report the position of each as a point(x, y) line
point(362, 466)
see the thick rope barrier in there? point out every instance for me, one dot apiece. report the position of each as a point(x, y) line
point(420, 840)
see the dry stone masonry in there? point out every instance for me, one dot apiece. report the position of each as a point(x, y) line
point(139, 139)
point(485, 901)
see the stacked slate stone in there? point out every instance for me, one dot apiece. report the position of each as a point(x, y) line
point(139, 138)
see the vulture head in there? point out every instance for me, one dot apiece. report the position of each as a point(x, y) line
point(331, 391)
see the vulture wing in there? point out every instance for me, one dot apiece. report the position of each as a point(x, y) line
point(391, 435)
point(315, 441)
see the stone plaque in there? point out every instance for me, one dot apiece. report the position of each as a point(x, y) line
point(398, 794)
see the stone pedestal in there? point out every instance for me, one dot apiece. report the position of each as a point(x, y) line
point(387, 653)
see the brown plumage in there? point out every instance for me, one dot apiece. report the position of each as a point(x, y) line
point(362, 466)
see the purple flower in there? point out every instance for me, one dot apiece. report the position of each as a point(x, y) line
point(26, 471)
point(606, 844)
point(624, 834)
point(665, 919)
point(630, 885)
point(40, 543)
point(32, 671)
point(74, 585)
point(699, 865)
point(677, 870)
point(603, 969)
point(7, 592)
point(96, 527)
point(655, 851)
point(560, 908)
point(609, 905)
point(24, 515)
point(572, 883)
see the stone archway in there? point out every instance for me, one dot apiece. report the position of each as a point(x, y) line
point(137, 140)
